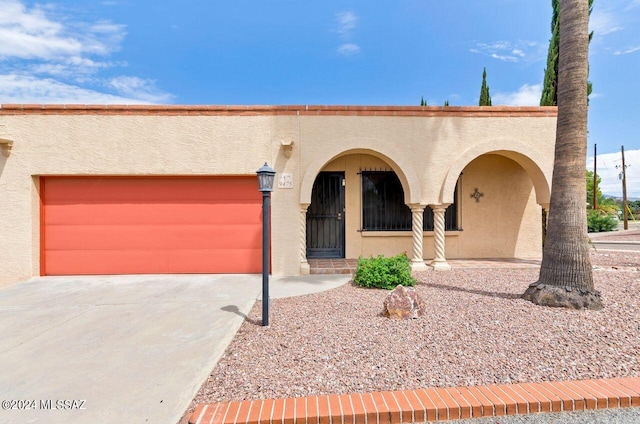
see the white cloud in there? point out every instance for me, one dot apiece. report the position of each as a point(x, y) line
point(504, 58)
point(346, 22)
point(137, 88)
point(52, 57)
point(507, 51)
point(31, 34)
point(28, 89)
point(348, 49)
point(627, 51)
point(610, 175)
point(527, 95)
point(603, 22)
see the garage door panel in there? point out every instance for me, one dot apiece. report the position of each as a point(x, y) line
point(133, 225)
point(213, 261)
point(119, 237)
point(148, 189)
point(149, 213)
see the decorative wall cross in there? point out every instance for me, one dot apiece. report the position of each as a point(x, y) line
point(476, 195)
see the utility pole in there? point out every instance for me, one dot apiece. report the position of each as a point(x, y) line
point(595, 177)
point(624, 192)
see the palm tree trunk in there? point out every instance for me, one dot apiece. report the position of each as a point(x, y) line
point(566, 277)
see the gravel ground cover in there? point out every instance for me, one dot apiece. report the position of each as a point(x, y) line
point(477, 331)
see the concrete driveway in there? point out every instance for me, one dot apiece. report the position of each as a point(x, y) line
point(131, 349)
point(122, 349)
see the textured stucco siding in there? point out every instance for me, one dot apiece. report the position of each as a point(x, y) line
point(427, 152)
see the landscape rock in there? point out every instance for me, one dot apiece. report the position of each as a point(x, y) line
point(404, 303)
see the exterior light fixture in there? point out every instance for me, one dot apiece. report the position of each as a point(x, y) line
point(287, 147)
point(5, 146)
point(266, 176)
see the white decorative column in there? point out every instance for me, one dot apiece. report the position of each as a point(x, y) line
point(417, 261)
point(305, 269)
point(439, 261)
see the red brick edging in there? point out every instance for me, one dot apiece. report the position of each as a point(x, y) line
point(434, 404)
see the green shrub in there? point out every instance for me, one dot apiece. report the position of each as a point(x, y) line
point(384, 273)
point(598, 222)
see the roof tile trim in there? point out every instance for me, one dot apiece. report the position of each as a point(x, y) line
point(303, 110)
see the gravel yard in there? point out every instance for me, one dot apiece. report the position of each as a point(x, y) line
point(477, 331)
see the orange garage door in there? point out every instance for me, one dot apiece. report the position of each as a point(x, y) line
point(150, 225)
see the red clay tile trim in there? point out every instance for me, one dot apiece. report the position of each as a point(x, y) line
point(566, 401)
point(243, 413)
point(289, 416)
point(335, 411)
point(419, 410)
point(406, 409)
point(370, 407)
point(384, 413)
point(623, 395)
point(488, 408)
point(359, 411)
point(499, 405)
point(609, 396)
point(219, 414)
point(254, 412)
point(431, 408)
point(231, 413)
point(324, 412)
point(519, 403)
point(474, 403)
point(347, 409)
point(266, 411)
point(588, 398)
point(601, 399)
point(634, 391)
point(278, 411)
point(556, 402)
point(313, 417)
point(300, 110)
point(431, 404)
point(464, 405)
point(453, 409)
point(442, 412)
point(301, 410)
point(395, 412)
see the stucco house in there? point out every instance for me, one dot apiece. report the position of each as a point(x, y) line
point(172, 189)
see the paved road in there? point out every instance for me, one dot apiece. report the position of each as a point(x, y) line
point(632, 246)
point(605, 416)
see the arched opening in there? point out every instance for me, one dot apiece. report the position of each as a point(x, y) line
point(355, 197)
point(498, 205)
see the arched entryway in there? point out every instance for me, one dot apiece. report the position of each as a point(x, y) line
point(341, 220)
point(501, 195)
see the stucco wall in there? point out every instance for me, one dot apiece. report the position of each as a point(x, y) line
point(425, 146)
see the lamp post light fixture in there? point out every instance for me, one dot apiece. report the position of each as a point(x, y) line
point(266, 176)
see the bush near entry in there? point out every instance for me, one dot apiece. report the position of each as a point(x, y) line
point(383, 272)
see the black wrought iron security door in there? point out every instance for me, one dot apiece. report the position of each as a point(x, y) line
point(325, 217)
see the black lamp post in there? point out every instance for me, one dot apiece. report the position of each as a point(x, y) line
point(266, 175)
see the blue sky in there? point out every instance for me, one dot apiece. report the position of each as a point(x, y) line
point(327, 52)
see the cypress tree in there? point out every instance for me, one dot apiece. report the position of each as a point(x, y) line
point(446, 103)
point(423, 102)
point(550, 85)
point(485, 97)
